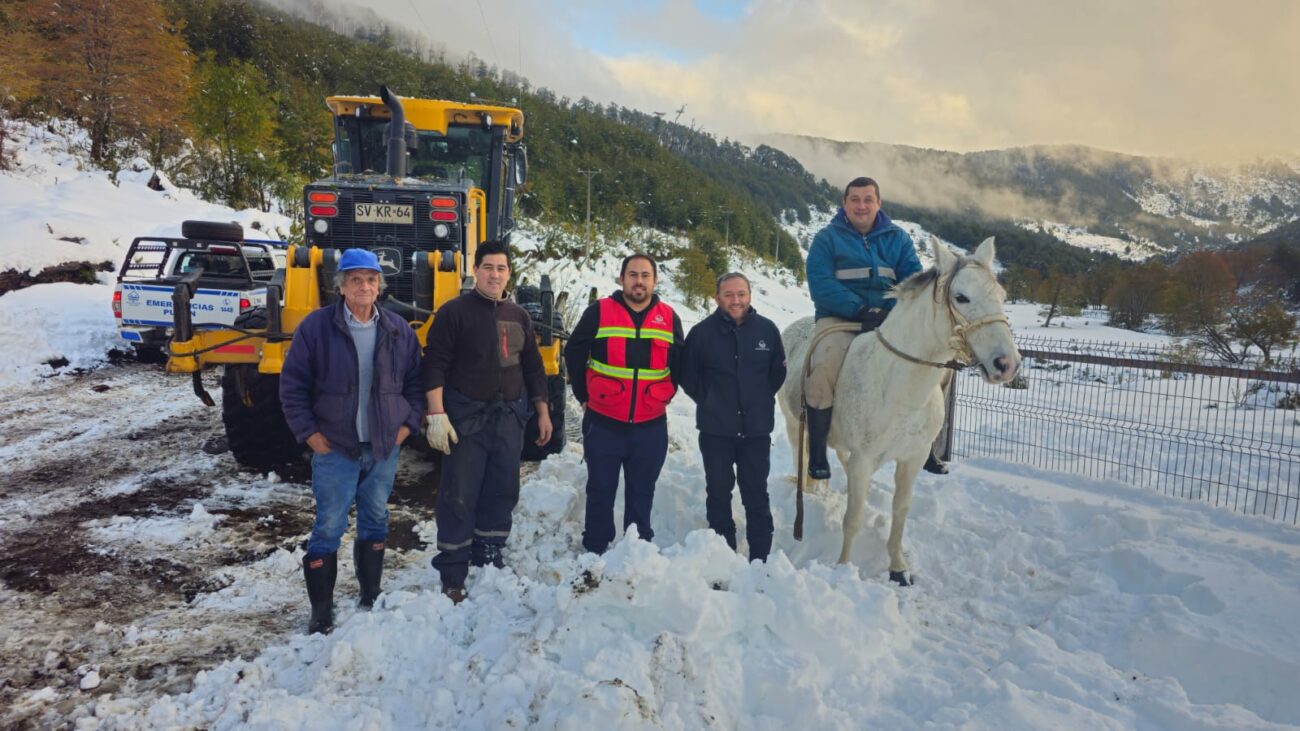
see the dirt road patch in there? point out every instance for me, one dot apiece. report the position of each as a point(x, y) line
point(131, 552)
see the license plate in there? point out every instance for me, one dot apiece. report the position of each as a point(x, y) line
point(385, 213)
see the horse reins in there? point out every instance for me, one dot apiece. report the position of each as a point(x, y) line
point(961, 327)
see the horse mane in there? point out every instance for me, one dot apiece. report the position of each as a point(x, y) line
point(914, 284)
point(918, 282)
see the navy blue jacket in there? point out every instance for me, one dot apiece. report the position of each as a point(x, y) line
point(733, 373)
point(848, 271)
point(318, 383)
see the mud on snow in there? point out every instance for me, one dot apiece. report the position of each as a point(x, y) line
point(136, 553)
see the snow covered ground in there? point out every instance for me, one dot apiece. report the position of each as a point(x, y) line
point(1042, 600)
point(1139, 249)
point(57, 210)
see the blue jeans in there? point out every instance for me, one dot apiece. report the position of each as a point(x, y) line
point(337, 481)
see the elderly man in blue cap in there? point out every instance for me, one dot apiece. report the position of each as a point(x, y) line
point(350, 389)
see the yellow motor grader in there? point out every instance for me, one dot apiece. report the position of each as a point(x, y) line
point(420, 182)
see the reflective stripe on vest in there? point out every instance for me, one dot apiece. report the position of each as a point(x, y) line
point(616, 329)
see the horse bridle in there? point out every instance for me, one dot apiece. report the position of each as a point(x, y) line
point(962, 327)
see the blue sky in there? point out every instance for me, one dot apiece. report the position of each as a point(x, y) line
point(623, 28)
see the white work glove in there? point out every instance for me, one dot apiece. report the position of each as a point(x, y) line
point(438, 429)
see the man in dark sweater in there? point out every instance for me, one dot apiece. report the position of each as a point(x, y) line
point(622, 359)
point(732, 366)
point(481, 370)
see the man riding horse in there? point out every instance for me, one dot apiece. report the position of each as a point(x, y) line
point(852, 264)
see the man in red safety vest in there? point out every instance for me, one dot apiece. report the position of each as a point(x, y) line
point(620, 359)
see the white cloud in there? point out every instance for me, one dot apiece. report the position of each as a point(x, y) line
point(1152, 77)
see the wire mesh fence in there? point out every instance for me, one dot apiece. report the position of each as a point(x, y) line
point(1164, 418)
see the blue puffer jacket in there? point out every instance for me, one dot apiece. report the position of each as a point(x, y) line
point(848, 271)
point(318, 383)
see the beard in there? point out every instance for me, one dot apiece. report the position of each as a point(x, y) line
point(636, 296)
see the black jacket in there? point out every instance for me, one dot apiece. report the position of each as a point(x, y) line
point(485, 349)
point(733, 373)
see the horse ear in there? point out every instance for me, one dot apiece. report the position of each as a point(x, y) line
point(944, 260)
point(984, 253)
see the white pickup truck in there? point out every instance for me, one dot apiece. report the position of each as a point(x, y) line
point(233, 280)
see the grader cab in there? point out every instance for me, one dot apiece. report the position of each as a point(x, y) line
point(419, 182)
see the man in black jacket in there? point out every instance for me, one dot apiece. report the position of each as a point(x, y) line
point(733, 364)
point(481, 370)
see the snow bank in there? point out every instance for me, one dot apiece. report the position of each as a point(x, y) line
point(72, 322)
point(56, 209)
point(1042, 602)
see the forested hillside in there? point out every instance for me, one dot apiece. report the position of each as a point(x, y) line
point(1156, 204)
point(226, 96)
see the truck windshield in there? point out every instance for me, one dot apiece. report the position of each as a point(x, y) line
point(221, 264)
point(463, 152)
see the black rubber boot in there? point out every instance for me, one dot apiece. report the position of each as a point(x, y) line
point(819, 428)
point(320, 573)
point(935, 465)
point(369, 559)
point(487, 554)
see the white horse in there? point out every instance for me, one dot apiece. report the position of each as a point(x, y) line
point(888, 403)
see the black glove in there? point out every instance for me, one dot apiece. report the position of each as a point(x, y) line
point(870, 318)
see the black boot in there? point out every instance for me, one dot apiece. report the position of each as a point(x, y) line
point(935, 465)
point(320, 572)
point(487, 554)
point(819, 427)
point(369, 559)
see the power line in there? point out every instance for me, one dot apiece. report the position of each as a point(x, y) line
point(428, 32)
point(487, 30)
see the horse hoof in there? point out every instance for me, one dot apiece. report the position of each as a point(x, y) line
point(900, 577)
point(935, 466)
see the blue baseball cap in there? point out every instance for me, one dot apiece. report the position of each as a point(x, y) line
point(359, 259)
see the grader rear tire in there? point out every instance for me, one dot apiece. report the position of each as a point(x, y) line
point(256, 432)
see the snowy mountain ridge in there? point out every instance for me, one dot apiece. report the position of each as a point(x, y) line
point(1144, 206)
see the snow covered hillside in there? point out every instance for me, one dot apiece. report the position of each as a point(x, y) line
point(1134, 207)
point(1043, 600)
point(1137, 249)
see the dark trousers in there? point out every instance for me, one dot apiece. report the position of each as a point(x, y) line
point(728, 460)
point(477, 494)
point(638, 451)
